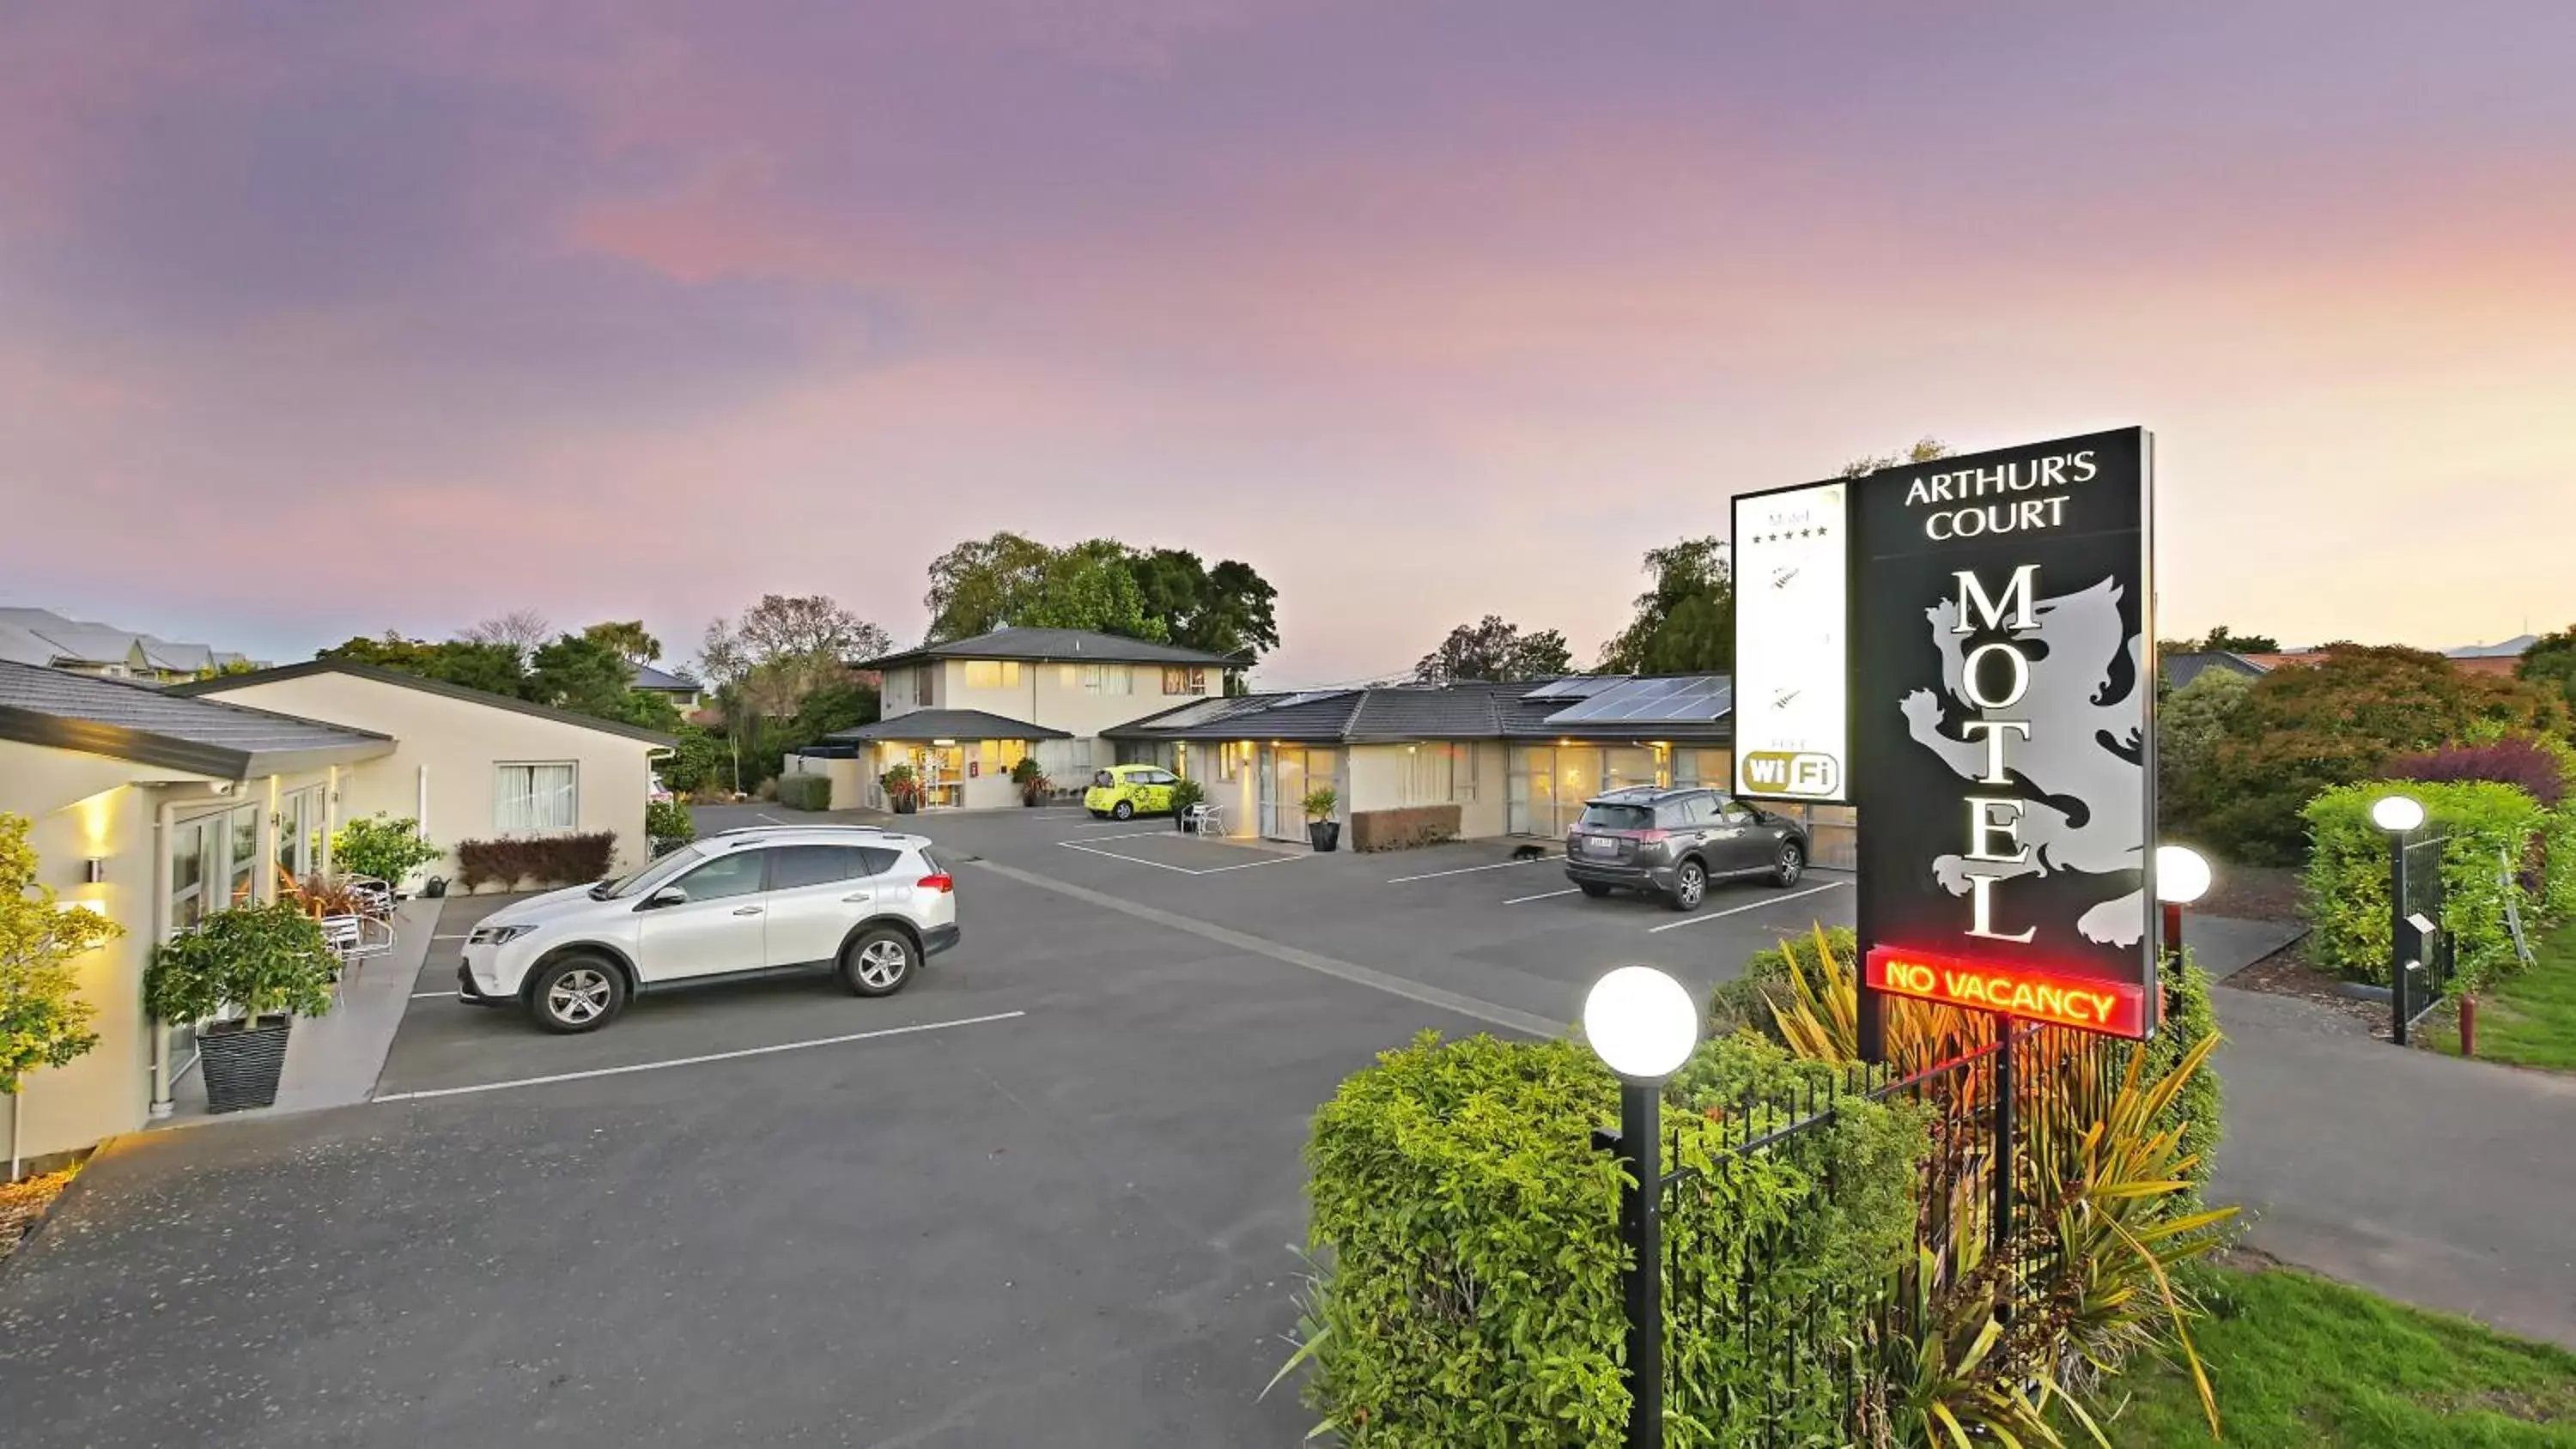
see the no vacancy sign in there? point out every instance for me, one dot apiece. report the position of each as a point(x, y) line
point(2003, 727)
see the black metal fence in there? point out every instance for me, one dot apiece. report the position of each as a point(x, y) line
point(2436, 958)
point(1822, 1367)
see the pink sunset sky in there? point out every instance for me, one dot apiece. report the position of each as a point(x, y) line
point(321, 319)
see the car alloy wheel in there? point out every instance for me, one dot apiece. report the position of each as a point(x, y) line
point(1126, 810)
point(1690, 883)
point(878, 963)
point(576, 994)
point(577, 998)
point(1793, 862)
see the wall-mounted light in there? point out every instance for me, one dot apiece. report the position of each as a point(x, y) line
point(94, 870)
point(943, 743)
point(223, 787)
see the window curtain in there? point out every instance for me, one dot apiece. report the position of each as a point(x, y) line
point(532, 799)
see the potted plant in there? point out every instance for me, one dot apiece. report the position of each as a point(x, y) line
point(1032, 781)
point(1322, 830)
point(902, 789)
point(269, 964)
point(381, 846)
point(1185, 793)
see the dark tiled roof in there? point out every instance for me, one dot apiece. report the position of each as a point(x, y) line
point(662, 681)
point(2182, 669)
point(129, 721)
point(1066, 645)
point(224, 682)
point(949, 724)
point(1470, 711)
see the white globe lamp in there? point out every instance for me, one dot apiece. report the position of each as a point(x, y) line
point(1642, 1022)
point(2397, 814)
point(2182, 876)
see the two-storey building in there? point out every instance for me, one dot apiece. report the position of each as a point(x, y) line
point(963, 713)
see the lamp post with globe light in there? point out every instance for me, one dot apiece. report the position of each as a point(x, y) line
point(2182, 877)
point(1643, 1024)
point(2400, 816)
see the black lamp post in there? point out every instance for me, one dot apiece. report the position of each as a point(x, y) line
point(1644, 1024)
point(2400, 816)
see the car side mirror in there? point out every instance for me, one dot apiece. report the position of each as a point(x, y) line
point(667, 896)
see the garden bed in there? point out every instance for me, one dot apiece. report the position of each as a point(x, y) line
point(23, 1205)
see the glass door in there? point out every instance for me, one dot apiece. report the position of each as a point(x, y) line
point(1285, 819)
point(943, 770)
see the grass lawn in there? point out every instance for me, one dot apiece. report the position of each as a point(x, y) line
point(2303, 1363)
point(2528, 1018)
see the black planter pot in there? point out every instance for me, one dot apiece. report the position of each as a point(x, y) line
point(436, 886)
point(242, 1065)
point(906, 805)
point(1324, 834)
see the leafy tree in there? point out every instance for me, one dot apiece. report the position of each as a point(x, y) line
point(1495, 650)
point(1685, 624)
point(628, 638)
point(2223, 640)
point(2190, 724)
point(783, 650)
point(1925, 450)
point(1103, 585)
point(2551, 663)
point(43, 1020)
point(582, 674)
point(520, 631)
point(381, 846)
point(2307, 728)
point(491, 667)
point(697, 761)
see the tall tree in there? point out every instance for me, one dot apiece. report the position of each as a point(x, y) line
point(2551, 663)
point(1685, 623)
point(582, 674)
point(2223, 640)
point(628, 638)
point(1100, 584)
point(1925, 450)
point(1495, 650)
point(492, 667)
point(783, 650)
point(44, 1022)
point(522, 630)
point(974, 585)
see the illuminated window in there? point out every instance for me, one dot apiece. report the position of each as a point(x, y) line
point(992, 674)
point(1000, 756)
point(1184, 681)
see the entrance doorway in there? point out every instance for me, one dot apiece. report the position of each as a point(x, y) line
point(1287, 773)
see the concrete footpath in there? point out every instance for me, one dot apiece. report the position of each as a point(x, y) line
point(2441, 1182)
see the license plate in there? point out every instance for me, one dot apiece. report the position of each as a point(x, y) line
point(1600, 845)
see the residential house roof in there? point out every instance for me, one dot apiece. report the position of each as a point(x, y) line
point(44, 638)
point(226, 682)
point(126, 720)
point(2513, 648)
point(2181, 669)
point(1064, 645)
point(664, 682)
point(1694, 708)
point(949, 724)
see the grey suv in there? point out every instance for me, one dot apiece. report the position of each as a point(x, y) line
point(1672, 843)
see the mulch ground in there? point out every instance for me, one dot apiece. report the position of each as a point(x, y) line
point(23, 1205)
point(2271, 893)
point(2252, 893)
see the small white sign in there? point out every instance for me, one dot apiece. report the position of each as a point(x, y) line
point(1793, 644)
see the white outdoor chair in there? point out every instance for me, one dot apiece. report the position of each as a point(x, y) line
point(355, 940)
point(375, 897)
point(1207, 819)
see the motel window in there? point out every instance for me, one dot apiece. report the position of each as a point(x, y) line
point(1430, 774)
point(1184, 681)
point(992, 674)
point(190, 845)
point(534, 799)
point(1000, 756)
point(241, 855)
point(1231, 758)
point(1099, 678)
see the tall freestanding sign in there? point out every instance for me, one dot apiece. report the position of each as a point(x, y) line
point(2001, 714)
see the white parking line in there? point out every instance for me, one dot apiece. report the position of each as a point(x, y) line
point(772, 819)
point(1464, 870)
point(1129, 835)
point(1542, 896)
point(1181, 869)
point(1755, 906)
point(1249, 864)
point(1131, 860)
point(785, 1046)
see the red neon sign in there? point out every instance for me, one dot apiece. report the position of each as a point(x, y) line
point(2117, 1008)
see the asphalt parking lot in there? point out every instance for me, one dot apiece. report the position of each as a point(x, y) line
point(1045, 1195)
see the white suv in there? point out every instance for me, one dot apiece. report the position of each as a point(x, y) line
point(869, 904)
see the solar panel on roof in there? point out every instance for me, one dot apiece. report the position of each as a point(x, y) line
point(1578, 686)
point(1688, 699)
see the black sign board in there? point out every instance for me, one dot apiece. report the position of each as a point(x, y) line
point(2003, 730)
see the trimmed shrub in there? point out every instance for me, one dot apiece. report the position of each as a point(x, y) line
point(2347, 880)
point(548, 860)
point(260, 960)
point(805, 792)
point(381, 846)
point(2189, 1019)
point(1743, 1004)
point(2517, 760)
point(1467, 1248)
point(668, 824)
point(1414, 825)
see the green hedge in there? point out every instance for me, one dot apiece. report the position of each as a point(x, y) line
point(2347, 882)
point(1466, 1241)
point(805, 792)
point(2199, 1108)
point(1740, 1005)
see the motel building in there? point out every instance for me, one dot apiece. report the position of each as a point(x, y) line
point(157, 807)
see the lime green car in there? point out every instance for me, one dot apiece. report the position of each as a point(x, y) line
point(1123, 792)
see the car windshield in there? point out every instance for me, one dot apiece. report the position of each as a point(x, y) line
point(1602, 815)
point(636, 882)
